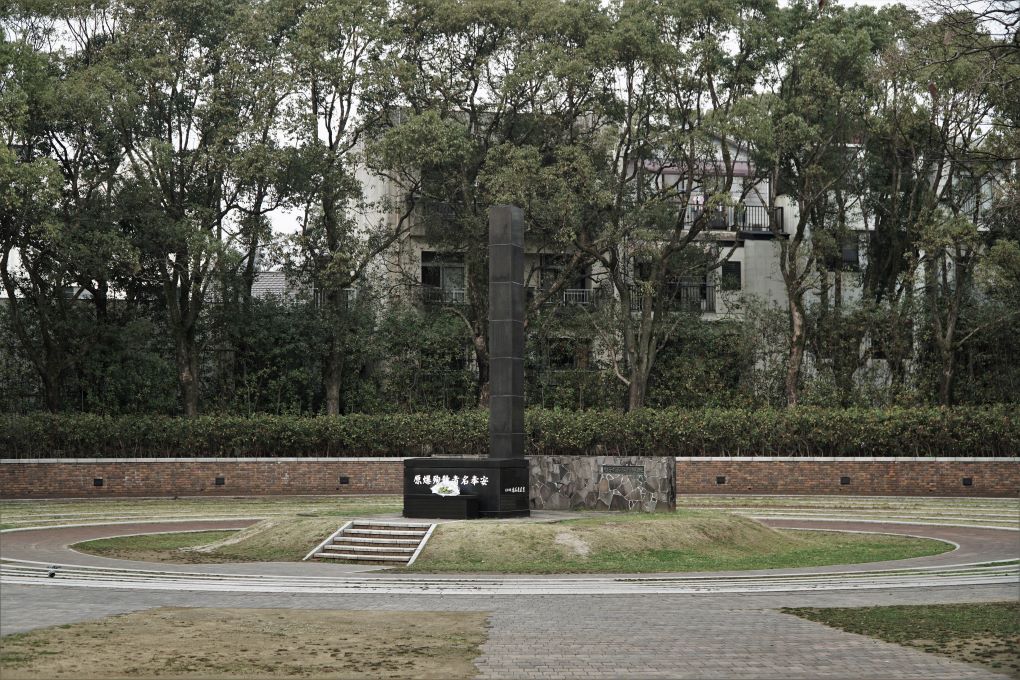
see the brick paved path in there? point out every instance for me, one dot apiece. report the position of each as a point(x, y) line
point(585, 636)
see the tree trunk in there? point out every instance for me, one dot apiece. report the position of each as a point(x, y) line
point(639, 346)
point(51, 389)
point(796, 356)
point(482, 361)
point(637, 390)
point(187, 373)
point(946, 376)
point(334, 378)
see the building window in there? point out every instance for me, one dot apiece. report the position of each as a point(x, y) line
point(551, 268)
point(851, 253)
point(442, 276)
point(730, 278)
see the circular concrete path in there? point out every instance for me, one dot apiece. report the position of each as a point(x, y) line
point(983, 556)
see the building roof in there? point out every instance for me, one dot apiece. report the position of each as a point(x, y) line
point(274, 284)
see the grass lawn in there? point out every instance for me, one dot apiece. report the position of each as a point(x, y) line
point(278, 539)
point(153, 547)
point(973, 511)
point(687, 540)
point(634, 543)
point(251, 643)
point(29, 513)
point(988, 633)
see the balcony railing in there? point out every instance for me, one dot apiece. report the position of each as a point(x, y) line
point(732, 218)
point(346, 298)
point(683, 297)
point(576, 296)
point(432, 295)
point(693, 298)
point(565, 296)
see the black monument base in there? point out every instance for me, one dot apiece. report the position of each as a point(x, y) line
point(431, 506)
point(499, 484)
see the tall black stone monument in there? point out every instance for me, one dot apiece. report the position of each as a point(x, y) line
point(497, 486)
point(506, 332)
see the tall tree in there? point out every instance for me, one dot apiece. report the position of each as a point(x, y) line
point(944, 138)
point(471, 92)
point(332, 56)
point(682, 70)
point(180, 139)
point(59, 164)
point(810, 138)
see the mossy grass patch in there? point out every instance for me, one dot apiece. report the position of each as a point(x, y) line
point(984, 633)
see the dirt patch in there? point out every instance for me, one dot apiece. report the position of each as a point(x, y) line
point(998, 652)
point(575, 544)
point(223, 644)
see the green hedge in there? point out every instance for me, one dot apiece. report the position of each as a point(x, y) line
point(804, 431)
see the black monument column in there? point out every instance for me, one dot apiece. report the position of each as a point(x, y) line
point(506, 332)
point(496, 486)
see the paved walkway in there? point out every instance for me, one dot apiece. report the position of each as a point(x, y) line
point(583, 630)
point(593, 636)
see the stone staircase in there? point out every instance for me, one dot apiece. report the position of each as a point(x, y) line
point(375, 542)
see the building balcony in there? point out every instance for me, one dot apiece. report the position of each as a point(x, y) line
point(754, 218)
point(683, 297)
point(693, 298)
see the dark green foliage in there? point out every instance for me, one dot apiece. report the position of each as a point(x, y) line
point(705, 365)
point(424, 360)
point(807, 431)
point(573, 389)
point(130, 370)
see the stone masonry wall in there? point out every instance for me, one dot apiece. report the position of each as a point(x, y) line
point(632, 483)
point(53, 478)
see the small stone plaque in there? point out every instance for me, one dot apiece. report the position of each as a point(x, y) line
point(638, 470)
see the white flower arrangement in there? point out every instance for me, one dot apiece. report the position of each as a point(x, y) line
point(445, 488)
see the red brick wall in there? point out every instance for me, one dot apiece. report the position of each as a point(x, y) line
point(198, 478)
point(177, 477)
point(879, 477)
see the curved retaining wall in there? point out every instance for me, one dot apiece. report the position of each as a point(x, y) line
point(878, 476)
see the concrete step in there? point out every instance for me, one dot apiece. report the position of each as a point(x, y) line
point(380, 541)
point(337, 545)
point(386, 525)
point(362, 558)
point(384, 533)
point(375, 541)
